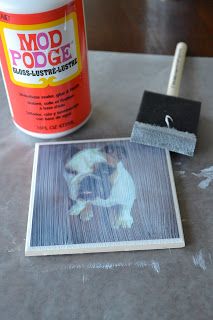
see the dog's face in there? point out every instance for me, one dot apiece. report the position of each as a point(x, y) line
point(90, 173)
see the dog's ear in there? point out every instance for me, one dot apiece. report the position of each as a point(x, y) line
point(115, 150)
point(69, 152)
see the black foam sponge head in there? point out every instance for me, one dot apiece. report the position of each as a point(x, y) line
point(167, 111)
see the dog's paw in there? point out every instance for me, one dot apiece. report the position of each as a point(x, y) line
point(87, 213)
point(73, 212)
point(123, 222)
point(76, 209)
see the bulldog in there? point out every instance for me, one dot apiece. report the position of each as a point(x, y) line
point(98, 177)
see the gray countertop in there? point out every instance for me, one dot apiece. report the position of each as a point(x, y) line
point(159, 284)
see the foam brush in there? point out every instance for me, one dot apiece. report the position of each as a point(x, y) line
point(165, 120)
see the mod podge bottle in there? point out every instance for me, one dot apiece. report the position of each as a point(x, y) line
point(43, 54)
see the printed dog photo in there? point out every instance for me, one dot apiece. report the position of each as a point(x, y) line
point(93, 196)
point(98, 177)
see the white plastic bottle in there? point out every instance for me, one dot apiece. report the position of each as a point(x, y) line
point(43, 54)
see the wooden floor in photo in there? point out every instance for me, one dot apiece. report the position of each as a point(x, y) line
point(101, 196)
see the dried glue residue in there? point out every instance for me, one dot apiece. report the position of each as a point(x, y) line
point(84, 278)
point(177, 163)
point(156, 266)
point(153, 264)
point(180, 173)
point(199, 260)
point(207, 174)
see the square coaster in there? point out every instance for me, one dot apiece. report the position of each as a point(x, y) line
point(102, 195)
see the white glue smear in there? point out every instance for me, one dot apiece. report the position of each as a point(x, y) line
point(84, 278)
point(199, 261)
point(112, 266)
point(177, 163)
point(154, 265)
point(180, 172)
point(207, 174)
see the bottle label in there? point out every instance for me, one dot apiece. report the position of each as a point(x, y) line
point(44, 63)
point(46, 56)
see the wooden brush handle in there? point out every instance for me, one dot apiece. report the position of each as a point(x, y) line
point(177, 69)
